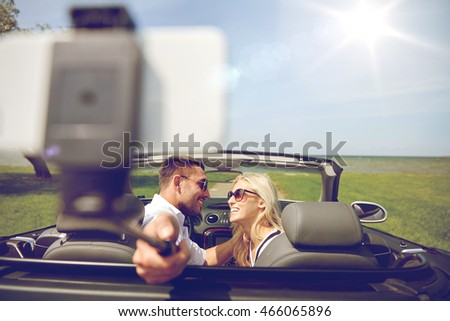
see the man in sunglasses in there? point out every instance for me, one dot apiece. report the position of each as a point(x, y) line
point(183, 189)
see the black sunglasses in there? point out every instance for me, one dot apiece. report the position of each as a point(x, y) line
point(203, 184)
point(239, 194)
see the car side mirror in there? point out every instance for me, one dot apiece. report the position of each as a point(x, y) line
point(369, 212)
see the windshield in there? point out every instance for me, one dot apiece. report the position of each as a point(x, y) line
point(298, 185)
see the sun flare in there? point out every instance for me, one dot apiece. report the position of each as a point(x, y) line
point(366, 24)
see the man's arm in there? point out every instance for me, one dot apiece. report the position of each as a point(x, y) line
point(150, 265)
point(219, 254)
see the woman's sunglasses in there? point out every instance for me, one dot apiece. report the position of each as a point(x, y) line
point(239, 194)
point(203, 184)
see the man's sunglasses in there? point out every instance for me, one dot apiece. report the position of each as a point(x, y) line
point(239, 194)
point(203, 184)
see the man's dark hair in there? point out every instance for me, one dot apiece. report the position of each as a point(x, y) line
point(174, 164)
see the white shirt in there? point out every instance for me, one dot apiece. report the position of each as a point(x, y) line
point(160, 205)
point(269, 238)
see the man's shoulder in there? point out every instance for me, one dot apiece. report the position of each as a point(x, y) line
point(157, 206)
point(158, 202)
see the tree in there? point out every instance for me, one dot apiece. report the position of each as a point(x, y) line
point(40, 166)
point(8, 15)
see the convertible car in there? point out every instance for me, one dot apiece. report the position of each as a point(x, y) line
point(328, 250)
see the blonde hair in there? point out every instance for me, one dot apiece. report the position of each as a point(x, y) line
point(270, 217)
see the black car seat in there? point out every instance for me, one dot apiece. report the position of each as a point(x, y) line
point(97, 238)
point(318, 235)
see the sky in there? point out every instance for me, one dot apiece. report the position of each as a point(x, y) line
point(356, 77)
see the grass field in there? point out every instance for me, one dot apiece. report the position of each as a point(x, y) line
point(416, 196)
point(418, 205)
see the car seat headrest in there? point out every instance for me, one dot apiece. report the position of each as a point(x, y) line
point(127, 209)
point(322, 224)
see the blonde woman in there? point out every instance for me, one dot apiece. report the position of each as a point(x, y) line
point(255, 213)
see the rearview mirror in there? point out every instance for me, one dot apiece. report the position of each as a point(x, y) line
point(369, 212)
